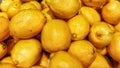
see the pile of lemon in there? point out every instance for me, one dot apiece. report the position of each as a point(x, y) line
point(60, 34)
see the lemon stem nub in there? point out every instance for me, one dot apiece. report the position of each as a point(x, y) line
point(74, 35)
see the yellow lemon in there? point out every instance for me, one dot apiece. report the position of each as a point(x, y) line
point(101, 34)
point(64, 9)
point(26, 53)
point(4, 28)
point(13, 8)
point(6, 3)
point(30, 5)
point(90, 14)
point(95, 3)
point(113, 47)
point(55, 35)
point(111, 12)
point(79, 27)
point(22, 25)
point(62, 59)
point(100, 62)
point(84, 51)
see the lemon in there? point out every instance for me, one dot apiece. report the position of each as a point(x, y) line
point(113, 48)
point(64, 9)
point(101, 34)
point(13, 8)
point(84, 51)
point(31, 5)
point(79, 27)
point(111, 12)
point(55, 35)
point(26, 53)
point(22, 25)
point(100, 62)
point(95, 3)
point(6, 3)
point(4, 28)
point(90, 14)
point(62, 59)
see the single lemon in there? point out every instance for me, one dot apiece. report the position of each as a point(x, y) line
point(84, 51)
point(55, 35)
point(62, 59)
point(64, 9)
point(79, 27)
point(26, 23)
point(26, 53)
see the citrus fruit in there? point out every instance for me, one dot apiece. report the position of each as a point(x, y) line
point(30, 5)
point(22, 25)
point(95, 3)
point(62, 59)
point(90, 14)
point(13, 8)
point(79, 27)
point(101, 34)
point(64, 9)
point(4, 28)
point(84, 51)
point(100, 62)
point(26, 53)
point(111, 12)
point(55, 35)
point(113, 48)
